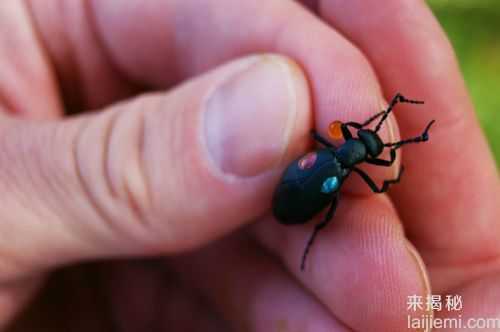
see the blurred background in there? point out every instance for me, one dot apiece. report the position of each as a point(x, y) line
point(473, 27)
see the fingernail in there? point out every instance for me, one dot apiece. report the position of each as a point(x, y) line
point(390, 133)
point(426, 285)
point(391, 128)
point(250, 115)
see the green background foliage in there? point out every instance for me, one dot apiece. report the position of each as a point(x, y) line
point(473, 27)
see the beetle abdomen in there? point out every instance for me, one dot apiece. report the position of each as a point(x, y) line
point(301, 193)
point(292, 206)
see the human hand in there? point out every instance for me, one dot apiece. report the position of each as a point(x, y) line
point(173, 173)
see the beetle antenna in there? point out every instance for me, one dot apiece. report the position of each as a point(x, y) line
point(397, 98)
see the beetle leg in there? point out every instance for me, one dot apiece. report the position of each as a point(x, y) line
point(394, 146)
point(318, 227)
point(383, 162)
point(367, 122)
point(422, 138)
point(397, 98)
point(345, 131)
point(370, 120)
point(357, 125)
point(318, 138)
point(373, 186)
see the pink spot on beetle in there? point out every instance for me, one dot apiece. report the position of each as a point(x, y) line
point(308, 160)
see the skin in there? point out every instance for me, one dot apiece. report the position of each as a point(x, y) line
point(135, 179)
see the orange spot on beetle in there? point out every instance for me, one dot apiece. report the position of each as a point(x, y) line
point(335, 130)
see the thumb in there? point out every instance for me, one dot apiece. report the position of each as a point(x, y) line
point(159, 174)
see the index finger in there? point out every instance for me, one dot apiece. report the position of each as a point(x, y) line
point(183, 39)
point(452, 180)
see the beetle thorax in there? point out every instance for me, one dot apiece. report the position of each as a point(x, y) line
point(352, 152)
point(372, 142)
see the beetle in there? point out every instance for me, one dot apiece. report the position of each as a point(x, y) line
point(312, 182)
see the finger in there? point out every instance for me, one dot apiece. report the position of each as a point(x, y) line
point(14, 296)
point(452, 180)
point(360, 267)
point(28, 87)
point(251, 291)
point(117, 296)
point(140, 178)
point(70, 300)
point(87, 76)
point(343, 85)
point(161, 56)
point(155, 298)
point(476, 307)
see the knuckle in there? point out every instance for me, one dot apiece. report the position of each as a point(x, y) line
point(125, 173)
point(111, 168)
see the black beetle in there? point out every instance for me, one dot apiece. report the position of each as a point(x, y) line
point(313, 181)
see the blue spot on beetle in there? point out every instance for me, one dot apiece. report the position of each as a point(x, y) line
point(330, 185)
